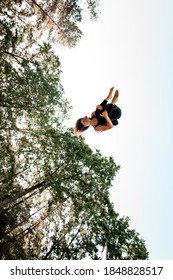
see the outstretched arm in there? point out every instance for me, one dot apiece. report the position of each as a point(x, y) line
point(109, 124)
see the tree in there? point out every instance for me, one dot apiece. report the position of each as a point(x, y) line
point(54, 188)
point(40, 158)
point(57, 19)
point(69, 179)
point(30, 95)
point(94, 227)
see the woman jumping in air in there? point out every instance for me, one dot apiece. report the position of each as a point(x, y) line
point(104, 118)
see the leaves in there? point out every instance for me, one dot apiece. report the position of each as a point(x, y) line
point(54, 189)
point(56, 20)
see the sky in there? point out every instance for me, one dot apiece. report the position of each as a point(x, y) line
point(130, 47)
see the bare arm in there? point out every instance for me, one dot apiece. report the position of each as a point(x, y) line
point(105, 127)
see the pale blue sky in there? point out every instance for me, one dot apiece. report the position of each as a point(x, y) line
point(131, 47)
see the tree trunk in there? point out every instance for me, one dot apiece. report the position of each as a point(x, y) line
point(21, 223)
point(5, 210)
point(43, 11)
point(79, 230)
point(7, 244)
point(15, 56)
point(11, 199)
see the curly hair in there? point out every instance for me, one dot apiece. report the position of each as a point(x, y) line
point(79, 127)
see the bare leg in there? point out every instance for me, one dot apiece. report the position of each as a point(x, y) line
point(110, 94)
point(115, 97)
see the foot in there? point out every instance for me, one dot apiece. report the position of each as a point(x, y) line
point(110, 93)
point(115, 98)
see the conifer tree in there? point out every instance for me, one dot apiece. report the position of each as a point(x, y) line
point(56, 20)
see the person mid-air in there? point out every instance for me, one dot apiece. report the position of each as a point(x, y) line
point(104, 118)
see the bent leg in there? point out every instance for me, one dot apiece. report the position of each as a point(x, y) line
point(110, 94)
point(114, 112)
point(115, 97)
point(103, 104)
point(109, 107)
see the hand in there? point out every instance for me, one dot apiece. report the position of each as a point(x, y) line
point(104, 114)
point(99, 107)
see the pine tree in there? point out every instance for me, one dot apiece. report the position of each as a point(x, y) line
point(56, 20)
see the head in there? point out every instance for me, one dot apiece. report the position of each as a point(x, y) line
point(81, 125)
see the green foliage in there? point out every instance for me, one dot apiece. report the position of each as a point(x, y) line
point(57, 20)
point(54, 189)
